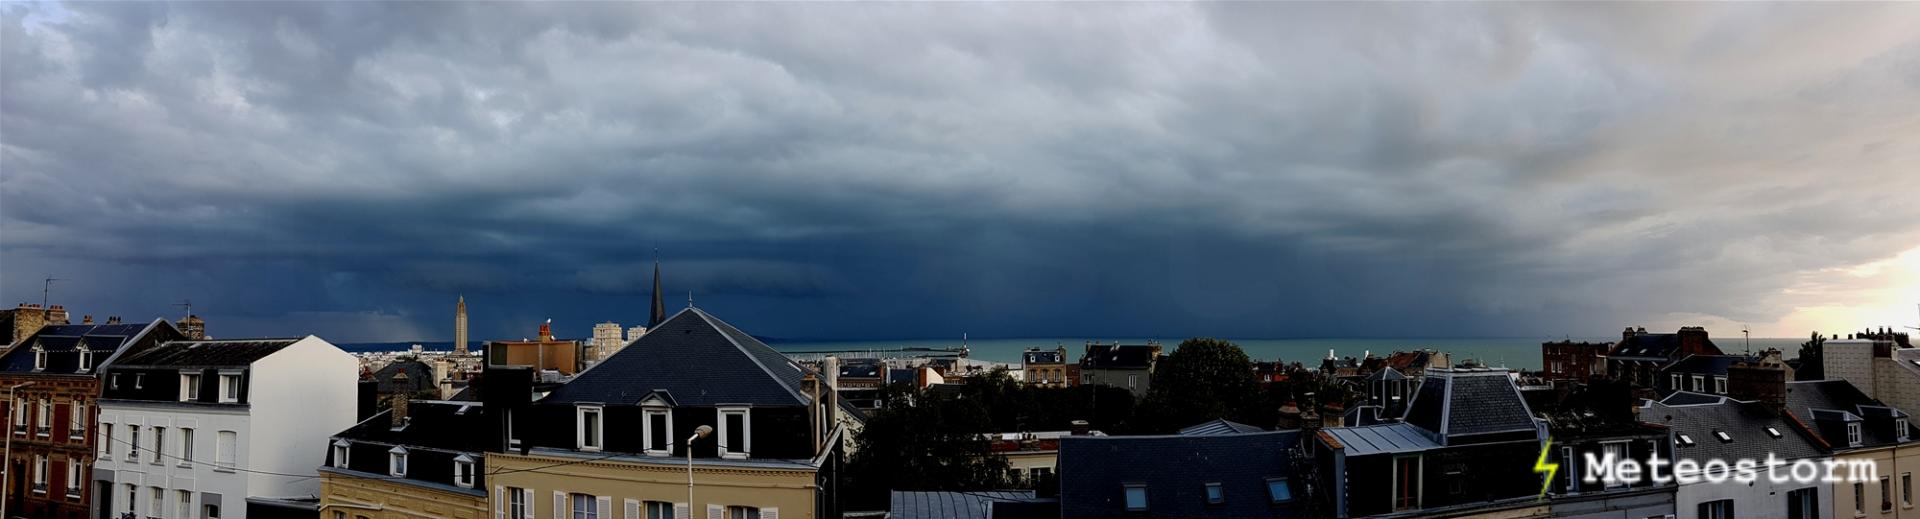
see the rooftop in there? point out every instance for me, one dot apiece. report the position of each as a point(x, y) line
point(698, 360)
point(225, 353)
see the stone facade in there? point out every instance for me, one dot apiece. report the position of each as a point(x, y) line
point(384, 498)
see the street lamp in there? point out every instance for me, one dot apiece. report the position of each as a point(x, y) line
point(698, 433)
point(6, 477)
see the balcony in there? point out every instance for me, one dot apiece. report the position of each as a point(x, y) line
point(39, 488)
point(73, 492)
point(20, 429)
point(43, 431)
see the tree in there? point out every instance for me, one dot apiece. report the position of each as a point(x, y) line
point(1812, 361)
point(1204, 379)
point(920, 443)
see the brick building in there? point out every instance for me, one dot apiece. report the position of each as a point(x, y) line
point(18, 323)
point(55, 373)
point(1570, 361)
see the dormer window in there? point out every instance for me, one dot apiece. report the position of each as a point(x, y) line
point(587, 431)
point(340, 453)
point(229, 387)
point(659, 431)
point(463, 471)
point(1699, 384)
point(397, 462)
point(1676, 382)
point(1720, 385)
point(189, 387)
point(39, 358)
point(1900, 429)
point(139, 380)
point(736, 441)
point(1853, 434)
point(86, 360)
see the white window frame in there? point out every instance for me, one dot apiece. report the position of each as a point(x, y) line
point(646, 428)
point(230, 383)
point(77, 420)
point(580, 427)
point(39, 358)
point(746, 436)
point(1626, 452)
point(86, 359)
point(183, 498)
point(44, 426)
point(139, 380)
point(1719, 385)
point(397, 462)
point(463, 471)
point(1853, 434)
point(133, 443)
point(512, 441)
point(159, 445)
point(1676, 382)
point(1699, 383)
point(73, 478)
point(189, 386)
point(224, 460)
point(106, 440)
point(1900, 429)
point(41, 466)
point(186, 446)
point(342, 453)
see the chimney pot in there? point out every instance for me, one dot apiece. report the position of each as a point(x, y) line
point(86, 319)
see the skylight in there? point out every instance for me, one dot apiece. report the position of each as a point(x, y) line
point(1773, 432)
point(1686, 440)
point(1723, 436)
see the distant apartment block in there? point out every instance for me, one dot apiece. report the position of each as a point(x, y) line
point(606, 341)
point(1639, 356)
point(1128, 366)
point(544, 353)
point(1049, 368)
point(1569, 361)
point(1882, 363)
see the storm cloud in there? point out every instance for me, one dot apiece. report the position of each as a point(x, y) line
point(925, 170)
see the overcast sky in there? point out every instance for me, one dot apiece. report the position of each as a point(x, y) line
point(924, 170)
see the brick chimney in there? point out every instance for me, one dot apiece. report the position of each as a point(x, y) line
point(1764, 380)
point(56, 314)
point(400, 401)
point(113, 319)
point(86, 319)
point(1627, 334)
point(1693, 341)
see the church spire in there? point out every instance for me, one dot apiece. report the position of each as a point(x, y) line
point(659, 306)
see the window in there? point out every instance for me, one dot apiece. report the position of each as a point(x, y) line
point(46, 418)
point(1722, 509)
point(40, 466)
point(1278, 491)
point(1699, 384)
point(1722, 435)
point(1676, 382)
point(1886, 494)
point(184, 503)
point(189, 387)
point(1686, 440)
point(20, 416)
point(397, 462)
point(1906, 489)
point(1900, 429)
point(133, 494)
point(587, 420)
point(517, 505)
point(39, 359)
point(1803, 504)
point(1136, 494)
point(585, 506)
point(1406, 483)
point(340, 452)
point(156, 501)
point(659, 510)
point(1773, 432)
point(1616, 451)
point(106, 441)
point(73, 478)
point(1859, 498)
point(133, 443)
point(139, 380)
point(113, 382)
point(77, 421)
point(86, 360)
point(1037, 473)
point(1215, 494)
point(463, 471)
point(229, 387)
point(159, 444)
point(1853, 434)
point(512, 441)
point(743, 512)
point(186, 446)
point(1133, 381)
point(659, 431)
point(1720, 385)
point(223, 450)
point(735, 441)
point(210, 511)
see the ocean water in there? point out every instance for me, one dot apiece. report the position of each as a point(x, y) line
point(1512, 352)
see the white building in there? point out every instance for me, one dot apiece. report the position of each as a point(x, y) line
point(1879, 366)
point(201, 428)
point(606, 340)
point(634, 333)
point(1708, 427)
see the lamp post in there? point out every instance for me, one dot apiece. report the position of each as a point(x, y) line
point(698, 433)
point(6, 478)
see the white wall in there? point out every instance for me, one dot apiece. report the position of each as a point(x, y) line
point(1761, 500)
point(197, 478)
point(301, 396)
point(1850, 360)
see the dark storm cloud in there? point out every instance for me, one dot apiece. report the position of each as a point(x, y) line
point(832, 170)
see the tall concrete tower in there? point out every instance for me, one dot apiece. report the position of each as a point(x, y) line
point(460, 327)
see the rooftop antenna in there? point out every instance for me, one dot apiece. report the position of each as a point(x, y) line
point(186, 303)
point(1747, 335)
point(689, 299)
point(44, 290)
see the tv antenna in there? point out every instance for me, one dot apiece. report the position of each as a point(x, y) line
point(46, 289)
point(1747, 335)
point(186, 303)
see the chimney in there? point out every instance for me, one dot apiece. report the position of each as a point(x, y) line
point(400, 409)
point(56, 314)
point(441, 378)
point(86, 319)
point(113, 319)
point(1764, 380)
point(1693, 340)
point(1080, 428)
point(1626, 334)
point(830, 368)
point(546, 331)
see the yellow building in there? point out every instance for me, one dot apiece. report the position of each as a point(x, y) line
point(764, 435)
point(418, 459)
point(1859, 428)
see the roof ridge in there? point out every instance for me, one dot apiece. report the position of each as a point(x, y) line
point(716, 323)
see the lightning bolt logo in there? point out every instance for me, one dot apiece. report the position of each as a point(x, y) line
point(1542, 467)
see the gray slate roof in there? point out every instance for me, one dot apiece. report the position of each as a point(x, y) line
point(205, 354)
point(1706, 364)
point(1745, 422)
point(699, 360)
point(950, 505)
point(1380, 439)
point(1219, 426)
point(1823, 401)
point(1460, 402)
point(1175, 469)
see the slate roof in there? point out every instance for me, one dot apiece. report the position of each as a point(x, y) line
point(901, 376)
point(1219, 426)
point(699, 360)
point(1378, 439)
point(419, 377)
point(1175, 470)
point(1745, 422)
point(1115, 356)
point(860, 368)
point(1461, 402)
point(205, 354)
point(1691, 398)
point(1404, 360)
point(60, 342)
point(1363, 415)
point(1041, 357)
point(951, 505)
point(1706, 364)
point(431, 424)
point(1661, 345)
point(1825, 401)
